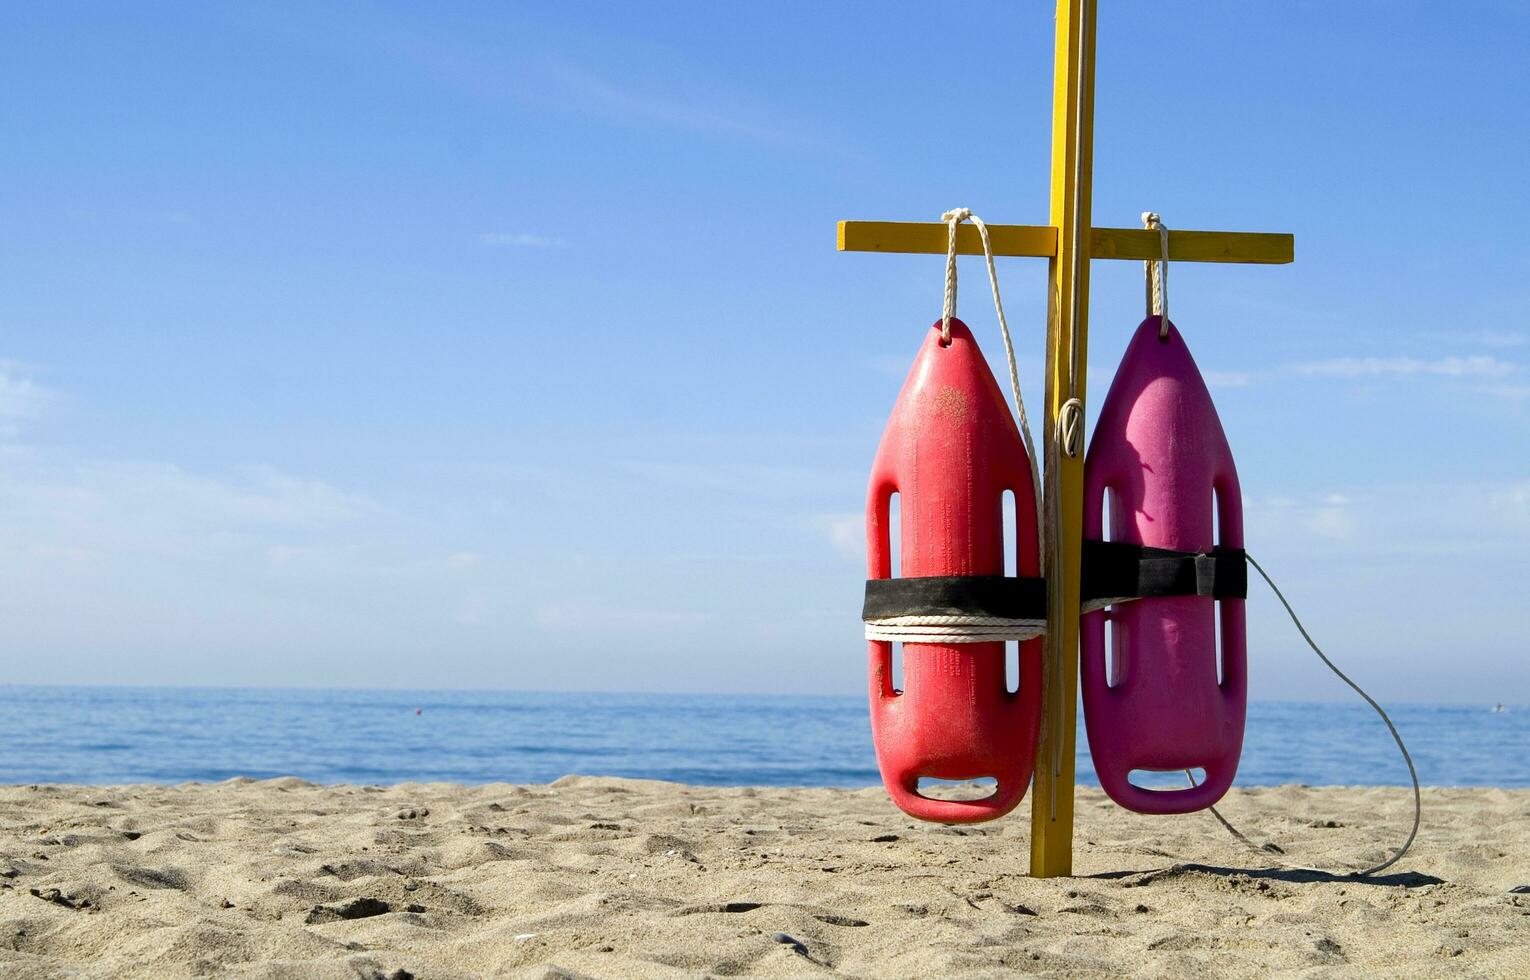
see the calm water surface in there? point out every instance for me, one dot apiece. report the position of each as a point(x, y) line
point(170, 735)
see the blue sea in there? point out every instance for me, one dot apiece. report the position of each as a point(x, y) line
point(171, 735)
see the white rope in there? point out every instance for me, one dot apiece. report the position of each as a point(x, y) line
point(954, 629)
point(1070, 427)
point(1156, 275)
point(1095, 605)
point(952, 219)
point(1418, 805)
point(974, 628)
point(948, 308)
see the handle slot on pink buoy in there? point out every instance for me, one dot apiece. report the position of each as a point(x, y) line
point(1175, 696)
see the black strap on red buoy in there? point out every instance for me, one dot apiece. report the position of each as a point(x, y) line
point(1004, 596)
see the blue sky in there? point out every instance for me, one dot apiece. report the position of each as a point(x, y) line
point(507, 346)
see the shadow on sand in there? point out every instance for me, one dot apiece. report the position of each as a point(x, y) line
point(1298, 876)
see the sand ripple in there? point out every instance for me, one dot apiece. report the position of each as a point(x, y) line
point(612, 878)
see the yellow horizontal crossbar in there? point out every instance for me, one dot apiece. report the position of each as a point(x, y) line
point(1041, 241)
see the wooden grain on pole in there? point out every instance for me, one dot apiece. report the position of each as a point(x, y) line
point(1067, 333)
point(1261, 248)
point(932, 237)
point(1040, 241)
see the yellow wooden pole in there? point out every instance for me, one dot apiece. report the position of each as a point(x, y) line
point(1067, 331)
point(1137, 244)
point(1069, 242)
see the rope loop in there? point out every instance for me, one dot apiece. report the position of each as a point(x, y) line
point(1070, 427)
point(1156, 275)
point(952, 218)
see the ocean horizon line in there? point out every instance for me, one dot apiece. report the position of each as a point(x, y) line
point(1343, 698)
point(93, 734)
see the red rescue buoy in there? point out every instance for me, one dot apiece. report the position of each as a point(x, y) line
point(950, 451)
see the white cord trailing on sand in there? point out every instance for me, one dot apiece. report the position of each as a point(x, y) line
point(1418, 805)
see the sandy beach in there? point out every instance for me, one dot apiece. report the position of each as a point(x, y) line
point(625, 878)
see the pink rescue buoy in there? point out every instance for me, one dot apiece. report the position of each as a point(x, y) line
point(1159, 453)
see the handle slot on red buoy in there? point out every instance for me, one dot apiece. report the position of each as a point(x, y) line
point(958, 790)
point(951, 453)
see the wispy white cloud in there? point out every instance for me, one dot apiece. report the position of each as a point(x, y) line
point(1478, 366)
point(280, 555)
point(846, 533)
point(636, 95)
point(1499, 338)
point(747, 480)
point(256, 516)
point(1412, 587)
point(21, 398)
point(1481, 367)
point(1228, 379)
point(1325, 518)
point(598, 616)
point(1469, 518)
point(1511, 504)
point(473, 609)
point(505, 239)
point(695, 108)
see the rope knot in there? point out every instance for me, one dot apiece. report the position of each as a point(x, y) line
point(1157, 274)
point(957, 215)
